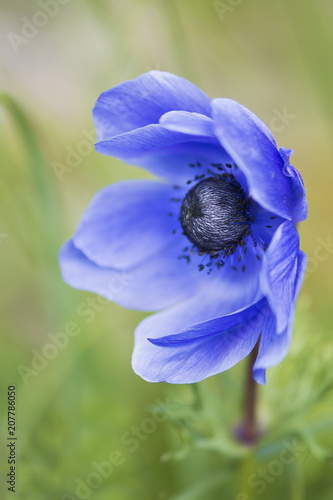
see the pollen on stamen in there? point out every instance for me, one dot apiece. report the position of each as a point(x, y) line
point(217, 165)
point(186, 257)
point(213, 262)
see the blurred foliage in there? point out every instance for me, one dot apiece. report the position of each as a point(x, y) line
point(86, 403)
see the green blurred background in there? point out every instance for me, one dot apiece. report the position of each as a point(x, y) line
point(80, 405)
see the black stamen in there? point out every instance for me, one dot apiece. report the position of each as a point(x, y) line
point(215, 216)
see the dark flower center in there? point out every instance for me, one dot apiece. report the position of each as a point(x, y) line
point(215, 215)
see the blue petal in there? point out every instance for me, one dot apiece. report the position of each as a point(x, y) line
point(285, 154)
point(127, 222)
point(215, 326)
point(142, 101)
point(254, 118)
point(216, 295)
point(132, 145)
point(265, 224)
point(81, 273)
point(299, 201)
point(163, 152)
point(259, 375)
point(159, 278)
point(157, 283)
point(216, 346)
point(255, 154)
point(246, 283)
point(188, 123)
point(301, 268)
point(279, 272)
point(273, 347)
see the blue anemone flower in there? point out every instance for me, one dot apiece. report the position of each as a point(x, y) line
point(211, 244)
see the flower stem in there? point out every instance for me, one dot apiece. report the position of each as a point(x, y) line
point(248, 432)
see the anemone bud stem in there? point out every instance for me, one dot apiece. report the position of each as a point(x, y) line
point(248, 432)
